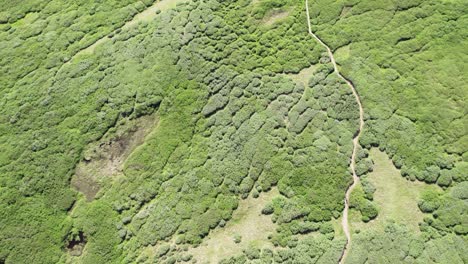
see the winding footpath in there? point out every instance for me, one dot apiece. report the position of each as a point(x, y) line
point(352, 165)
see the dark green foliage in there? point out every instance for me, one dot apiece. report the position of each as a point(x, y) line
point(430, 201)
point(445, 178)
point(448, 210)
point(460, 191)
point(237, 238)
point(368, 188)
point(362, 201)
point(401, 58)
point(269, 209)
point(364, 165)
point(97, 223)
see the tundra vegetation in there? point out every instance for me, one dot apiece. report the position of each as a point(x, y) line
point(208, 104)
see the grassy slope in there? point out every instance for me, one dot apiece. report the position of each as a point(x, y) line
point(396, 197)
point(248, 222)
point(395, 235)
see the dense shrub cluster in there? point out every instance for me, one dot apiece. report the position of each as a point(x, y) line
point(45, 34)
point(44, 120)
point(308, 250)
point(361, 201)
point(448, 211)
point(248, 130)
point(399, 245)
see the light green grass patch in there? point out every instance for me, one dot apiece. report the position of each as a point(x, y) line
point(145, 16)
point(342, 53)
point(275, 16)
point(247, 222)
point(304, 75)
point(26, 20)
point(150, 13)
point(395, 196)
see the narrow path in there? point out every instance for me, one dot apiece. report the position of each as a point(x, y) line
point(344, 222)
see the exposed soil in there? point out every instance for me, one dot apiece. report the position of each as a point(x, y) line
point(105, 158)
point(76, 245)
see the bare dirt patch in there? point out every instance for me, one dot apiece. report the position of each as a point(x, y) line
point(105, 158)
point(248, 224)
point(76, 245)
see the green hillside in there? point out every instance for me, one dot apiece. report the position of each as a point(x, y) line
point(205, 131)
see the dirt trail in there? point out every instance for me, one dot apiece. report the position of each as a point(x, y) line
point(344, 223)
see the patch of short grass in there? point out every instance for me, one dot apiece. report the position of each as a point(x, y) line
point(342, 53)
point(304, 75)
point(275, 16)
point(247, 222)
point(395, 196)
